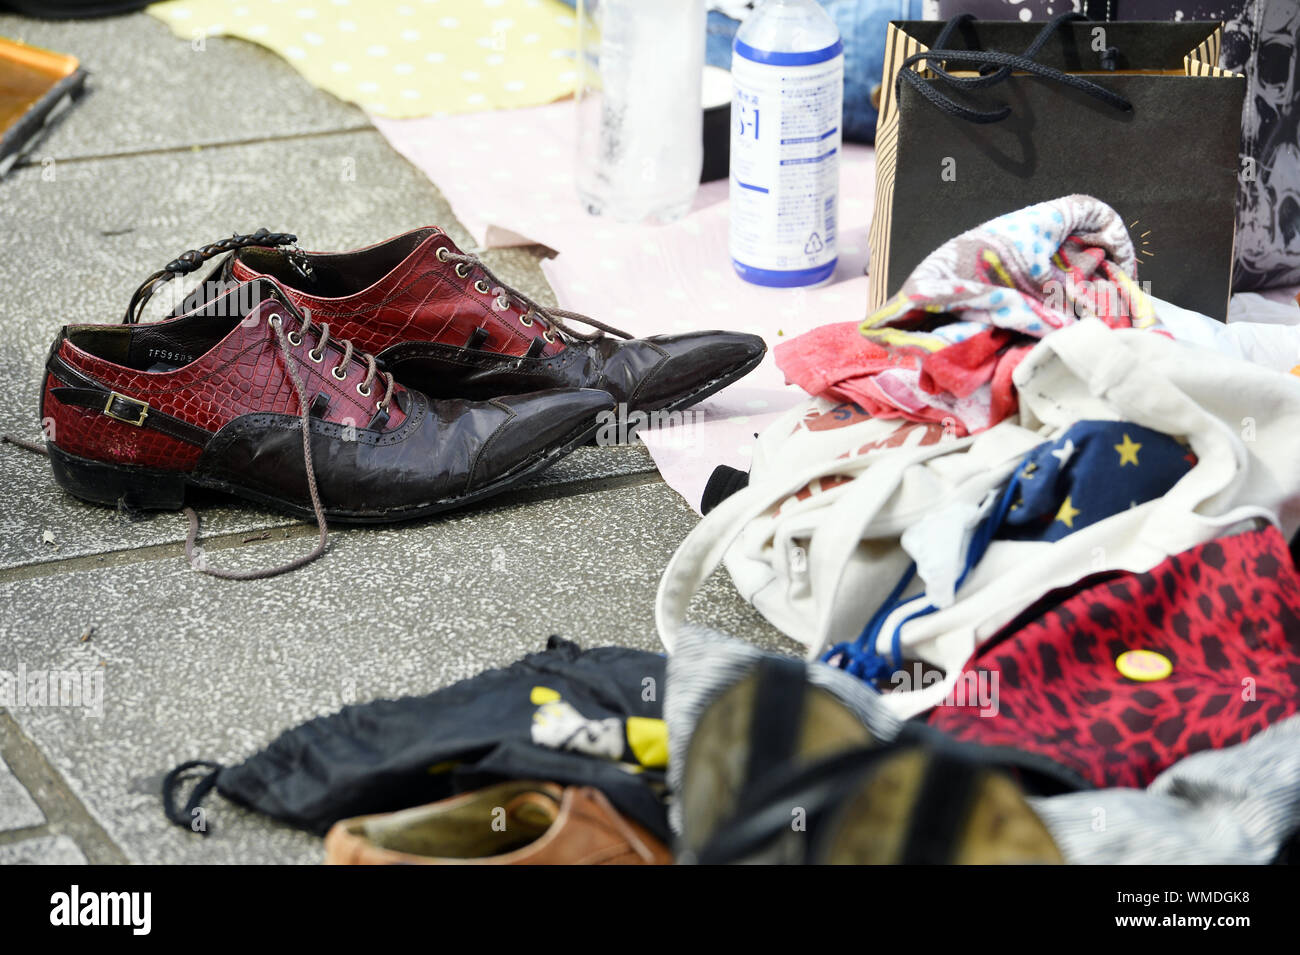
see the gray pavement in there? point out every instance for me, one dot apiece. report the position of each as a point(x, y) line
point(18, 810)
point(169, 151)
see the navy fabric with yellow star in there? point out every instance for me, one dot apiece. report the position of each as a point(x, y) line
point(1093, 471)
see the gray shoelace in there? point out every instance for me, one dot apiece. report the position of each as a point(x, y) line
point(317, 354)
point(304, 425)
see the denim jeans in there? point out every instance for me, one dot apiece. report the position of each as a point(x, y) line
point(862, 25)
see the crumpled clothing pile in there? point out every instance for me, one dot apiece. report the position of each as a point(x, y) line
point(943, 349)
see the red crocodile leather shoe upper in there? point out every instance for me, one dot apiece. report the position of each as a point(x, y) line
point(422, 299)
point(242, 374)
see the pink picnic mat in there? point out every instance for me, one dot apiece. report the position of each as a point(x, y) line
point(641, 278)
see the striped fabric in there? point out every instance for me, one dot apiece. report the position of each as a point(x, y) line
point(1206, 54)
point(1222, 807)
point(1231, 806)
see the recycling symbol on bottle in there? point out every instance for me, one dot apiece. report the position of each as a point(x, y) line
point(813, 245)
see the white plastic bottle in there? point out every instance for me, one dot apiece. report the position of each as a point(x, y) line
point(787, 73)
point(640, 139)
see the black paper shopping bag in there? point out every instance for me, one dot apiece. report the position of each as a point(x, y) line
point(1261, 39)
point(1006, 113)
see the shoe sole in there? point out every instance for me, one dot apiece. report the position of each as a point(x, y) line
point(136, 488)
point(877, 817)
point(880, 814)
point(718, 756)
point(990, 823)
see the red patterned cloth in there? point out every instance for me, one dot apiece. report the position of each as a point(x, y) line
point(943, 348)
point(1225, 615)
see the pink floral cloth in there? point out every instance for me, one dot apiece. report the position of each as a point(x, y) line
point(943, 348)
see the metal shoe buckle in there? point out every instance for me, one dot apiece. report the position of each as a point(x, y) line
point(121, 408)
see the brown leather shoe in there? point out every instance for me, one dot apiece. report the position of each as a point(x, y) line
point(444, 324)
point(511, 823)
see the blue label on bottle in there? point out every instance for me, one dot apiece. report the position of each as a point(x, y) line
point(788, 59)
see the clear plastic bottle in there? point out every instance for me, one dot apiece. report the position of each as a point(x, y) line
point(640, 135)
point(788, 94)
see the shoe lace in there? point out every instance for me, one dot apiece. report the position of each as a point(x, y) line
point(318, 353)
point(552, 318)
point(189, 261)
point(287, 341)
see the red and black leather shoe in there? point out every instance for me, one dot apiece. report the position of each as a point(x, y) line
point(248, 396)
point(443, 323)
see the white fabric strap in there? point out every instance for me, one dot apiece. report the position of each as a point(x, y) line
point(704, 547)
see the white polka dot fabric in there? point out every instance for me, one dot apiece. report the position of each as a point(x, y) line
point(404, 58)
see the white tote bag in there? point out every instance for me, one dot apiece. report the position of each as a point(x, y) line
point(816, 543)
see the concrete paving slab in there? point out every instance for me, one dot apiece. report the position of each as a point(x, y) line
point(32, 504)
point(18, 810)
point(43, 850)
point(149, 89)
point(195, 667)
point(63, 813)
point(118, 221)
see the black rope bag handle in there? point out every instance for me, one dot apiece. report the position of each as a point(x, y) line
point(1012, 60)
point(1005, 63)
point(187, 262)
point(989, 76)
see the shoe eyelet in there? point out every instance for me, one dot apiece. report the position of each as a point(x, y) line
point(462, 269)
point(525, 321)
point(316, 355)
point(382, 405)
point(441, 254)
point(274, 321)
point(335, 372)
point(294, 339)
point(482, 287)
point(365, 393)
point(549, 339)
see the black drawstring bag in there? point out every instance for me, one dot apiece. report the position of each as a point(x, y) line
point(560, 715)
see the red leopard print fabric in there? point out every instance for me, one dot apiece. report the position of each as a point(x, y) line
point(1225, 614)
